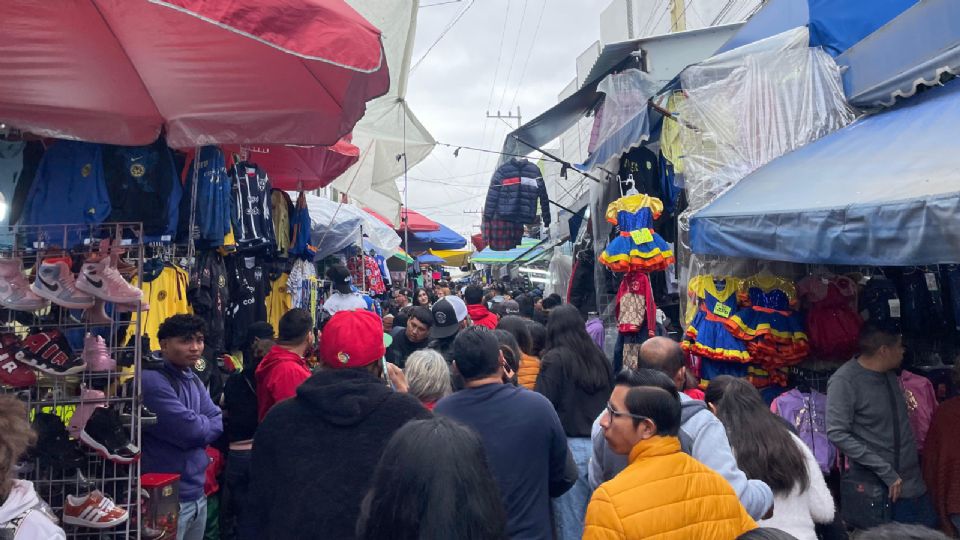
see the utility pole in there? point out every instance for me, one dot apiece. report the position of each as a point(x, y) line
point(507, 117)
point(678, 18)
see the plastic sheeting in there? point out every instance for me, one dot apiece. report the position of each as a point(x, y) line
point(882, 191)
point(623, 122)
point(389, 128)
point(202, 71)
point(525, 252)
point(337, 225)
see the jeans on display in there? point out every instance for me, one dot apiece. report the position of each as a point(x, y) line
point(570, 509)
point(192, 522)
point(236, 512)
point(917, 511)
point(952, 283)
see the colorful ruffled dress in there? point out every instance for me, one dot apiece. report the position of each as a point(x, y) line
point(707, 335)
point(637, 248)
point(768, 323)
point(832, 319)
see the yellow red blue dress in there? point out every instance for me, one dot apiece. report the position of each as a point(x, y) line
point(638, 247)
point(768, 323)
point(707, 335)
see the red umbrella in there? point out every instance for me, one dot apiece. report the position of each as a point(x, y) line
point(296, 168)
point(203, 71)
point(417, 222)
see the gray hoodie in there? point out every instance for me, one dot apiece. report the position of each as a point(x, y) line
point(703, 437)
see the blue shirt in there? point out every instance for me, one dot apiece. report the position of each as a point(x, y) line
point(525, 447)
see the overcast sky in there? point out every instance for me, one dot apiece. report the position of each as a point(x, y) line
point(501, 53)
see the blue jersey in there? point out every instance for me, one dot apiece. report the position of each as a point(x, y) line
point(213, 198)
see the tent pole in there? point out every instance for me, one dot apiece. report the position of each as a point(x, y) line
point(405, 214)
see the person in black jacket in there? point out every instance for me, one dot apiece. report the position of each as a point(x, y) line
point(577, 379)
point(314, 455)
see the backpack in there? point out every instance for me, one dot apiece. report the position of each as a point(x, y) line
point(808, 414)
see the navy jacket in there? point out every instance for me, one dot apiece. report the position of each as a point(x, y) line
point(515, 189)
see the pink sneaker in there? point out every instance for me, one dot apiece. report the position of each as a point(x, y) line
point(101, 280)
point(15, 291)
point(97, 314)
point(90, 400)
point(55, 282)
point(95, 354)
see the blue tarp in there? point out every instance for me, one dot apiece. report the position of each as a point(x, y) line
point(887, 47)
point(445, 238)
point(429, 258)
point(884, 190)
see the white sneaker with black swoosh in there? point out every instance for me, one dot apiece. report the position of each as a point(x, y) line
point(55, 282)
point(101, 280)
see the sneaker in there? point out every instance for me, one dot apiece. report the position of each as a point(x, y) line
point(147, 417)
point(15, 291)
point(55, 282)
point(131, 308)
point(54, 447)
point(50, 353)
point(101, 280)
point(95, 511)
point(95, 354)
point(97, 315)
point(90, 400)
point(104, 433)
point(13, 373)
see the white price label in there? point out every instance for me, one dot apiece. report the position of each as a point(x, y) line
point(894, 307)
point(931, 281)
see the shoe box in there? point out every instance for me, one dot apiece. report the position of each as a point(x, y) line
point(159, 505)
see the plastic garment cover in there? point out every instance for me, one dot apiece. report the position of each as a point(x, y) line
point(746, 107)
point(337, 225)
point(202, 71)
point(624, 122)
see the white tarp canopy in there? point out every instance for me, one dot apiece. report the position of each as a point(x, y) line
point(334, 226)
point(388, 121)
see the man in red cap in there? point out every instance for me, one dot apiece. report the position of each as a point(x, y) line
point(314, 455)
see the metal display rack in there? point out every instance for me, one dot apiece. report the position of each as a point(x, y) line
point(60, 395)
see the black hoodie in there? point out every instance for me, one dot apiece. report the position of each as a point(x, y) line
point(314, 455)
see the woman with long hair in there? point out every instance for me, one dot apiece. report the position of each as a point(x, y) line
point(422, 297)
point(445, 492)
point(767, 451)
point(511, 355)
point(529, 366)
point(577, 378)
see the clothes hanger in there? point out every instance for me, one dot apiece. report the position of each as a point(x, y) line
point(632, 190)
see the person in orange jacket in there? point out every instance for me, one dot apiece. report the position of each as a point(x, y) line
point(663, 492)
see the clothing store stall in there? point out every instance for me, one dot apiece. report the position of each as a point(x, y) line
point(134, 187)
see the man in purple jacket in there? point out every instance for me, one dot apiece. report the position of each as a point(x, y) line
point(187, 419)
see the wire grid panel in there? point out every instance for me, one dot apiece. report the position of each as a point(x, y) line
point(61, 395)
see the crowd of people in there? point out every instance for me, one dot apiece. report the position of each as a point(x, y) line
point(485, 413)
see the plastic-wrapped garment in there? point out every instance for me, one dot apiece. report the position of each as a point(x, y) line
point(833, 323)
point(334, 226)
point(637, 247)
point(921, 303)
point(921, 404)
point(635, 304)
point(807, 412)
point(879, 303)
point(625, 121)
point(707, 334)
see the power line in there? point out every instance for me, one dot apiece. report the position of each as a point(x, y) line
point(443, 33)
point(523, 72)
point(421, 6)
point(496, 74)
point(516, 47)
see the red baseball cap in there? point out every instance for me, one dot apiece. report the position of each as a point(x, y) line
point(353, 339)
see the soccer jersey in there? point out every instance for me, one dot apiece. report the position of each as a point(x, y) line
point(209, 295)
point(252, 222)
point(213, 211)
point(143, 187)
point(248, 291)
point(279, 300)
point(282, 208)
point(167, 296)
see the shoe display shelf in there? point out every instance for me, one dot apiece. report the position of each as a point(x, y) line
point(66, 350)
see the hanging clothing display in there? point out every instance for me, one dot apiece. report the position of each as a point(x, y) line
point(252, 224)
point(166, 294)
point(637, 247)
point(209, 294)
point(300, 245)
point(214, 199)
point(636, 308)
point(248, 292)
point(832, 321)
point(282, 208)
point(708, 334)
point(767, 321)
point(369, 275)
point(143, 187)
point(279, 301)
point(515, 195)
point(921, 404)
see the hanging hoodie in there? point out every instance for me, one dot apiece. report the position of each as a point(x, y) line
point(314, 455)
point(24, 516)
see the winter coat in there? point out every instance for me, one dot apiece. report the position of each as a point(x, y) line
point(481, 316)
point(529, 369)
point(941, 462)
point(24, 516)
point(314, 455)
point(576, 405)
point(797, 511)
point(664, 493)
point(278, 376)
point(515, 189)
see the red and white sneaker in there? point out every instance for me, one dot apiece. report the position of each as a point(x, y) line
point(101, 280)
point(13, 373)
point(95, 511)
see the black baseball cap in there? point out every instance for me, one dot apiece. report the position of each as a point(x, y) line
point(341, 278)
point(445, 323)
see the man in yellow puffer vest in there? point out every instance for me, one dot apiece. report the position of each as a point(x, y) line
point(663, 493)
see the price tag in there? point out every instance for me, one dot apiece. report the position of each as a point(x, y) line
point(166, 238)
point(722, 310)
point(894, 304)
point(641, 236)
point(931, 281)
point(126, 242)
